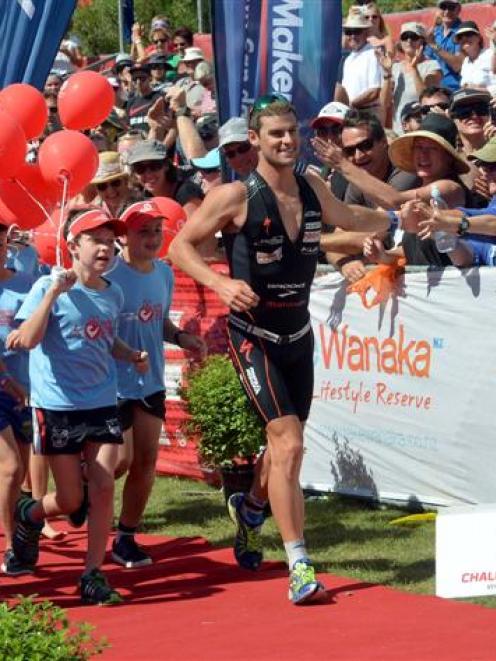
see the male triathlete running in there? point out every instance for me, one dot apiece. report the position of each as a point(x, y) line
point(271, 224)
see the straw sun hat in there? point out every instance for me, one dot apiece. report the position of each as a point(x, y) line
point(438, 128)
point(109, 167)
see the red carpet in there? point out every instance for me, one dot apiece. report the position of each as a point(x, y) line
point(195, 604)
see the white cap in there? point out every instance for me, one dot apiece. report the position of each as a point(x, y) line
point(332, 113)
point(192, 54)
point(416, 28)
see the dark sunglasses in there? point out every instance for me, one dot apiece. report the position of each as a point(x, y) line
point(372, 16)
point(365, 145)
point(444, 105)
point(233, 152)
point(464, 112)
point(409, 36)
point(326, 131)
point(152, 166)
point(160, 41)
point(448, 6)
point(181, 44)
point(353, 32)
point(113, 184)
point(263, 101)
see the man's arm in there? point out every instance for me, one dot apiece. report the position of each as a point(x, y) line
point(367, 98)
point(348, 243)
point(223, 206)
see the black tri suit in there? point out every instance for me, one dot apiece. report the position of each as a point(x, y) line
point(271, 345)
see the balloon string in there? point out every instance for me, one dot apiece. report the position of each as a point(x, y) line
point(37, 202)
point(58, 250)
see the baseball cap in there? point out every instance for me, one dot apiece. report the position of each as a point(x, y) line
point(147, 150)
point(123, 60)
point(234, 130)
point(486, 154)
point(409, 109)
point(332, 113)
point(193, 53)
point(159, 59)
point(467, 94)
point(139, 212)
point(93, 219)
point(416, 28)
point(210, 161)
point(467, 27)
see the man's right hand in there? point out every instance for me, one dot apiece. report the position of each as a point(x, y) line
point(62, 280)
point(236, 294)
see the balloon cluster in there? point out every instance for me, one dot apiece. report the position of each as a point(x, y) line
point(67, 159)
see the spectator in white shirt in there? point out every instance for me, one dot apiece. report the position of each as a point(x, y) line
point(477, 66)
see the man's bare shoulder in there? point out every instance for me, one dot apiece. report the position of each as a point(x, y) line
point(233, 193)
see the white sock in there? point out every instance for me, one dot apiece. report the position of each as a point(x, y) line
point(295, 551)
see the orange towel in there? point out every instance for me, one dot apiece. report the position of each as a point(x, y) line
point(382, 280)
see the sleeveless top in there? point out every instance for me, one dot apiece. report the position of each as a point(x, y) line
point(278, 270)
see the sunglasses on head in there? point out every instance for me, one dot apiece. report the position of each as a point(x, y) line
point(235, 151)
point(160, 41)
point(330, 130)
point(444, 105)
point(365, 145)
point(352, 32)
point(266, 100)
point(409, 36)
point(448, 6)
point(104, 185)
point(152, 166)
point(464, 112)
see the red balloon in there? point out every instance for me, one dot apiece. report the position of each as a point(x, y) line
point(45, 242)
point(175, 217)
point(27, 105)
point(71, 155)
point(13, 145)
point(20, 202)
point(6, 215)
point(85, 100)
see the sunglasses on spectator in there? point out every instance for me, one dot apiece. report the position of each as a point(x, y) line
point(353, 32)
point(373, 17)
point(489, 167)
point(444, 105)
point(235, 151)
point(464, 112)
point(409, 36)
point(448, 6)
point(104, 185)
point(152, 166)
point(266, 100)
point(326, 131)
point(160, 41)
point(180, 44)
point(365, 145)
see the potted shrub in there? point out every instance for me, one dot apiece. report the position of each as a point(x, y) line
point(230, 434)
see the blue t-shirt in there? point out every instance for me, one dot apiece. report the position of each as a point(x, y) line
point(12, 294)
point(451, 79)
point(483, 245)
point(72, 367)
point(24, 260)
point(147, 298)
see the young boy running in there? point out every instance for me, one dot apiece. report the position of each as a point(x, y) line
point(144, 322)
point(15, 416)
point(69, 323)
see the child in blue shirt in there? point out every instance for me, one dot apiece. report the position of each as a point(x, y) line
point(144, 322)
point(69, 324)
point(15, 416)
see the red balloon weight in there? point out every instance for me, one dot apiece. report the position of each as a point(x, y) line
point(85, 100)
point(45, 242)
point(71, 155)
point(27, 105)
point(175, 217)
point(21, 203)
point(13, 145)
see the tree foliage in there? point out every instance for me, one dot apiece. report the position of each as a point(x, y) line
point(389, 6)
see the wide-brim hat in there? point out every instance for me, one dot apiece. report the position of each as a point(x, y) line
point(438, 128)
point(109, 168)
point(356, 21)
point(192, 54)
point(486, 154)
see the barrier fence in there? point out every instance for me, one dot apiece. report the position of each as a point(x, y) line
point(403, 391)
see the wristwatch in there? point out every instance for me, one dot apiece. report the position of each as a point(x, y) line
point(182, 112)
point(463, 226)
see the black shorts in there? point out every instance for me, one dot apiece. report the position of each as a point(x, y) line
point(278, 379)
point(66, 432)
point(18, 418)
point(154, 404)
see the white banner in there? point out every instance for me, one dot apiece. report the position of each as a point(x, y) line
point(404, 393)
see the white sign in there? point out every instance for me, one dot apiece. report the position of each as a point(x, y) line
point(466, 551)
point(404, 393)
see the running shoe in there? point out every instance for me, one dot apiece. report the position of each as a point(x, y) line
point(26, 539)
point(14, 567)
point(96, 590)
point(303, 584)
point(247, 542)
point(128, 553)
point(79, 516)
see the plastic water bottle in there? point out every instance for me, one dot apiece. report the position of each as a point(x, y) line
point(445, 242)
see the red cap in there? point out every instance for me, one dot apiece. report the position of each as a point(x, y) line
point(91, 220)
point(139, 212)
